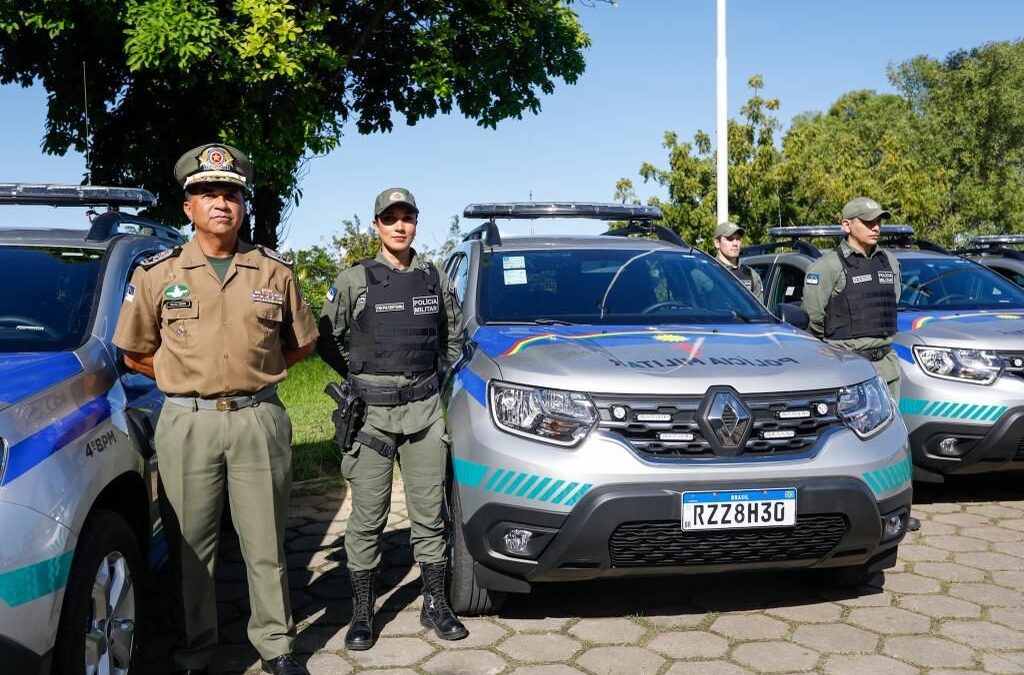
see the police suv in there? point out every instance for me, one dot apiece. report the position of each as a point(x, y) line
point(960, 343)
point(77, 469)
point(626, 407)
point(1000, 253)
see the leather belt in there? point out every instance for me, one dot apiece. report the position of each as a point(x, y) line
point(224, 403)
point(876, 354)
point(376, 394)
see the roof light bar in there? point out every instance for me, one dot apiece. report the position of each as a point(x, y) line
point(74, 195)
point(831, 231)
point(998, 239)
point(592, 210)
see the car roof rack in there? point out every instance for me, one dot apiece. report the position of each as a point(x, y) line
point(646, 228)
point(799, 245)
point(49, 194)
point(987, 240)
point(112, 223)
point(592, 210)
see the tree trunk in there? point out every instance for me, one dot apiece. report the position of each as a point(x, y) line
point(266, 207)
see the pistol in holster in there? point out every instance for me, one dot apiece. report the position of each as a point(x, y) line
point(349, 416)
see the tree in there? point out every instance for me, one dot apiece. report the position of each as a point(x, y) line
point(755, 190)
point(277, 79)
point(315, 267)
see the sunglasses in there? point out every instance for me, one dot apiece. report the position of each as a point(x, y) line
point(391, 219)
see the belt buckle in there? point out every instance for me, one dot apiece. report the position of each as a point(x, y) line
point(226, 405)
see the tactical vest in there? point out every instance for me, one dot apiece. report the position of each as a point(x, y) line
point(398, 330)
point(866, 307)
point(745, 275)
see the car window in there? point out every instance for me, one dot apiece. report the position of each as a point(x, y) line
point(789, 285)
point(629, 286)
point(762, 270)
point(954, 283)
point(53, 312)
point(460, 277)
point(1012, 275)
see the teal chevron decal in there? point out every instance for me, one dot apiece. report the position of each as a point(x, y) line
point(890, 477)
point(952, 410)
point(543, 489)
point(34, 581)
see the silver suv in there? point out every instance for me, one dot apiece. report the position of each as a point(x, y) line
point(626, 407)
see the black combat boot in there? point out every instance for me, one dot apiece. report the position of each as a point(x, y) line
point(364, 594)
point(436, 612)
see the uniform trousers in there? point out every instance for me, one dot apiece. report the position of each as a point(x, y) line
point(422, 458)
point(246, 452)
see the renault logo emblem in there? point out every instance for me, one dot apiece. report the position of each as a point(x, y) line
point(726, 420)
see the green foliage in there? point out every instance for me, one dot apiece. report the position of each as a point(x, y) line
point(314, 453)
point(355, 243)
point(278, 79)
point(316, 268)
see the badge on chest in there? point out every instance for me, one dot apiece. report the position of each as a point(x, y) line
point(268, 296)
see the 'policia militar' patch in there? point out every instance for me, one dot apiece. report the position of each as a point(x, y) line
point(425, 304)
point(383, 307)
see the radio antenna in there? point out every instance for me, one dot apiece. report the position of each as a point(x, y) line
point(88, 155)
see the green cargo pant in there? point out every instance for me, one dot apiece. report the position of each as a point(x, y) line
point(247, 452)
point(421, 457)
point(889, 369)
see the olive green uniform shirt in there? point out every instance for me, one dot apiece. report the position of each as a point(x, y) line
point(211, 337)
point(831, 281)
point(756, 286)
point(348, 303)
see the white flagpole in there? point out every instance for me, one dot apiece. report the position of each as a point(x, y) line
point(723, 120)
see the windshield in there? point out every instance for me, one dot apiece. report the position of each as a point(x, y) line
point(48, 297)
point(954, 283)
point(608, 286)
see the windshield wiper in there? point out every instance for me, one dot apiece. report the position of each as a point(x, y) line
point(543, 321)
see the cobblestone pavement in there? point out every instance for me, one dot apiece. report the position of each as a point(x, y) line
point(953, 604)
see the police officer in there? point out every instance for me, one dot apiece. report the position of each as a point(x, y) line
point(218, 322)
point(850, 293)
point(401, 321)
point(728, 240)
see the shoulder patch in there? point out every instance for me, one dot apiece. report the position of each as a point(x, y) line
point(332, 293)
point(160, 257)
point(274, 255)
point(812, 279)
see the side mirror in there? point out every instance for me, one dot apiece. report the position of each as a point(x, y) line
point(794, 315)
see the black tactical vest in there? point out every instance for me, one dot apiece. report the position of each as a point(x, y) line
point(866, 307)
point(745, 275)
point(398, 329)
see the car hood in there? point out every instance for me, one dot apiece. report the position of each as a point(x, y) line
point(983, 329)
point(24, 374)
point(669, 359)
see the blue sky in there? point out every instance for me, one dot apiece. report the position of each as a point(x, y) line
point(651, 68)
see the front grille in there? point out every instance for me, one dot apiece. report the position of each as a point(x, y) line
point(1019, 456)
point(1013, 362)
point(666, 426)
point(663, 543)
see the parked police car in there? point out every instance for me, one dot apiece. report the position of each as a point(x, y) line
point(626, 407)
point(1000, 253)
point(77, 469)
point(960, 344)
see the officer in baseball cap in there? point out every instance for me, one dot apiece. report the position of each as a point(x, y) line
point(223, 428)
point(728, 241)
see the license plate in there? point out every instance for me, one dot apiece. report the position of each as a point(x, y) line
point(739, 509)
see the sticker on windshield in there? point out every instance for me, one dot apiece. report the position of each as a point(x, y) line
point(515, 277)
point(513, 262)
point(790, 290)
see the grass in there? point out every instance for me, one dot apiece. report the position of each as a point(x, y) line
point(314, 453)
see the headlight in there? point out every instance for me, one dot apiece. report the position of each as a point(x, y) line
point(965, 365)
point(549, 415)
point(866, 407)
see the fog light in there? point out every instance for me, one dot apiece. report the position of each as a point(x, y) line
point(618, 412)
point(516, 540)
point(894, 525)
point(821, 409)
point(948, 447)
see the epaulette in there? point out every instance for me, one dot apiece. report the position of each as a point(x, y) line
point(273, 255)
point(161, 256)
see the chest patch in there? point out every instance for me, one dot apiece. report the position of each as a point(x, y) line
point(425, 304)
point(885, 277)
point(176, 292)
point(861, 278)
point(268, 295)
point(384, 307)
point(177, 304)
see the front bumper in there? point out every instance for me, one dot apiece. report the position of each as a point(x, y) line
point(634, 530)
point(999, 447)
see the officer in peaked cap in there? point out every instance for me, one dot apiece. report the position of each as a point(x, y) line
point(401, 321)
point(218, 323)
point(850, 292)
point(728, 240)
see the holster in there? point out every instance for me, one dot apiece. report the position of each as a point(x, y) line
point(348, 419)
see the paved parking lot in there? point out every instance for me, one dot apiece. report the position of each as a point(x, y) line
point(954, 604)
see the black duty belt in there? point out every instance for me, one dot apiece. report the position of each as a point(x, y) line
point(876, 354)
point(224, 403)
point(378, 394)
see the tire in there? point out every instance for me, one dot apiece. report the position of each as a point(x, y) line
point(467, 597)
point(102, 605)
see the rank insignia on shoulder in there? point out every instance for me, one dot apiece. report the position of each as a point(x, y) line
point(812, 279)
point(332, 293)
point(161, 256)
point(274, 255)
